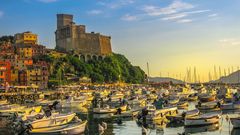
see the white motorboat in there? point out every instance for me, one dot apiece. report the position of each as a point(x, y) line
point(204, 119)
point(54, 120)
point(72, 128)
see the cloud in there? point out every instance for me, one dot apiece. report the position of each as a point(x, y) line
point(174, 7)
point(213, 15)
point(179, 16)
point(197, 11)
point(1, 14)
point(116, 4)
point(174, 17)
point(184, 21)
point(47, 1)
point(95, 12)
point(229, 42)
point(128, 17)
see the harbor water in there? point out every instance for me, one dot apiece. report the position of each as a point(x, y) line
point(129, 126)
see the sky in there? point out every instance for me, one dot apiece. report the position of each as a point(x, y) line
point(171, 35)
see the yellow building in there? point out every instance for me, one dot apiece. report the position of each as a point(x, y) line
point(25, 52)
point(34, 75)
point(26, 38)
point(14, 76)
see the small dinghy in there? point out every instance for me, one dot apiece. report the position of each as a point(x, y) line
point(203, 119)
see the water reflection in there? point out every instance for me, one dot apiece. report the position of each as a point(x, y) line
point(235, 132)
point(199, 129)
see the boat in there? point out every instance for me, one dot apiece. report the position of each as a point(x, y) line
point(154, 115)
point(72, 128)
point(200, 129)
point(230, 106)
point(3, 102)
point(206, 98)
point(127, 114)
point(11, 108)
point(173, 101)
point(192, 97)
point(203, 119)
point(182, 105)
point(209, 105)
point(107, 109)
point(182, 116)
point(235, 122)
point(73, 102)
point(54, 120)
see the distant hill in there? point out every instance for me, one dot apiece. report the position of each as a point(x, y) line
point(231, 78)
point(164, 79)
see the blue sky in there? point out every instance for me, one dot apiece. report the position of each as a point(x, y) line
point(169, 34)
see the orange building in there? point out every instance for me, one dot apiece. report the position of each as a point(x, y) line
point(5, 72)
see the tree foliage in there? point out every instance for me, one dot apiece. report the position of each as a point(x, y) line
point(112, 68)
point(6, 39)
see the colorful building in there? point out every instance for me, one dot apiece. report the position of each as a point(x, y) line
point(26, 38)
point(14, 76)
point(22, 78)
point(5, 72)
point(19, 64)
point(25, 52)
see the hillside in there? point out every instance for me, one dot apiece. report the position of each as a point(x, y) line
point(165, 79)
point(113, 68)
point(231, 78)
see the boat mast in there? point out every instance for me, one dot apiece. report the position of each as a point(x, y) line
point(148, 72)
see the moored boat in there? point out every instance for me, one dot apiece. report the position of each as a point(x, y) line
point(182, 116)
point(206, 97)
point(230, 106)
point(203, 119)
point(52, 121)
point(69, 129)
point(107, 109)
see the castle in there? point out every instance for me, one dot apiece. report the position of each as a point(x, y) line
point(71, 37)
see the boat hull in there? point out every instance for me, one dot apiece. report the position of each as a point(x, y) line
point(201, 121)
point(235, 122)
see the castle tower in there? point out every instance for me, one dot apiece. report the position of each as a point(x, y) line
point(72, 37)
point(64, 20)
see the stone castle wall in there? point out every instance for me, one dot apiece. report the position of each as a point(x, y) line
point(72, 37)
